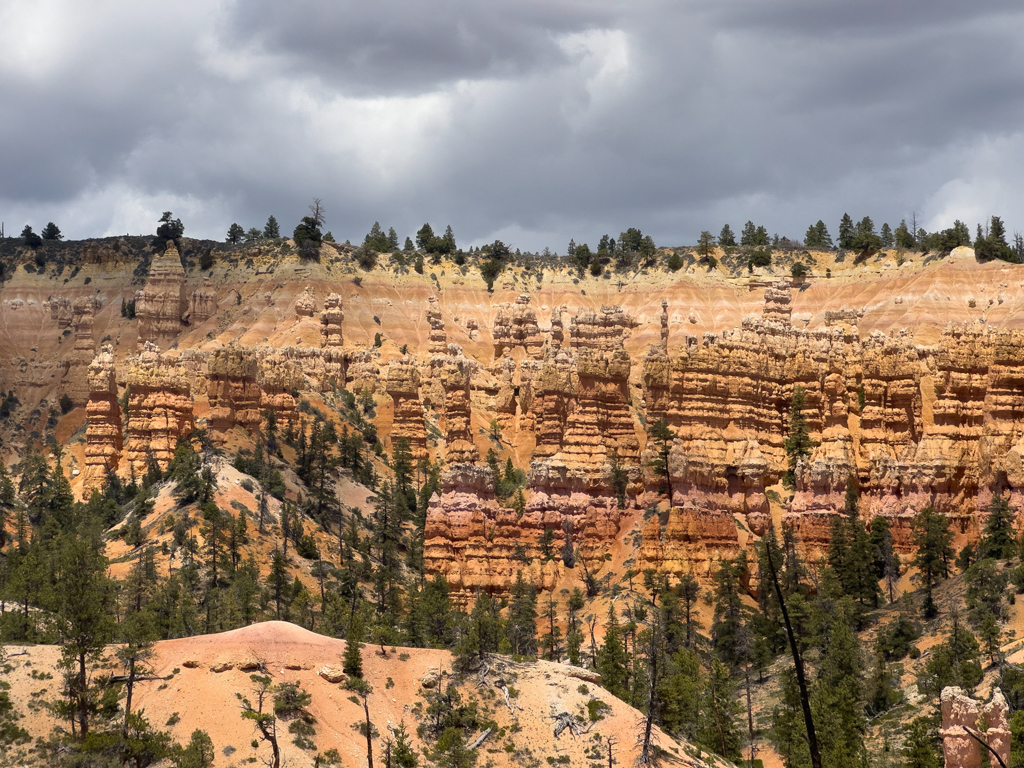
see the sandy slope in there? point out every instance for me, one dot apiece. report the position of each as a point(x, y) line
point(203, 698)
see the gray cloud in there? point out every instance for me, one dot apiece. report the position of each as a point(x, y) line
point(535, 121)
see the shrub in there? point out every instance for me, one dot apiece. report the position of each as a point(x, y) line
point(760, 258)
point(307, 548)
point(66, 403)
point(798, 269)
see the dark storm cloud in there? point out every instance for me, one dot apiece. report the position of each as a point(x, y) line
point(398, 46)
point(533, 121)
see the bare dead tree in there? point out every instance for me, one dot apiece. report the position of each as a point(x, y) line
point(798, 663)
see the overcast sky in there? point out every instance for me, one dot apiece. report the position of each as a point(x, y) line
point(529, 120)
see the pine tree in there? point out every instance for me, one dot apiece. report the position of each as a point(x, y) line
point(277, 580)
point(272, 229)
point(662, 437)
point(954, 662)
point(236, 232)
point(403, 754)
point(521, 627)
point(352, 661)
point(847, 233)
point(730, 633)
point(82, 597)
point(920, 745)
point(719, 709)
point(726, 236)
point(997, 538)
point(787, 732)
point(551, 641)
point(933, 539)
point(612, 660)
point(798, 442)
point(574, 636)
point(887, 236)
point(837, 697)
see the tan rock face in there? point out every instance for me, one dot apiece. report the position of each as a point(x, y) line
point(160, 305)
point(279, 377)
point(160, 407)
point(516, 326)
point(103, 436)
point(202, 305)
point(232, 389)
point(84, 347)
point(959, 713)
point(330, 321)
point(403, 385)
point(305, 305)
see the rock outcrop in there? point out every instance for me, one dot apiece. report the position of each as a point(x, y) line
point(103, 435)
point(515, 325)
point(279, 378)
point(330, 321)
point(160, 305)
point(403, 386)
point(202, 305)
point(160, 408)
point(961, 713)
point(305, 304)
point(232, 389)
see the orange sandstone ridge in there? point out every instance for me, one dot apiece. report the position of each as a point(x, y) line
point(913, 378)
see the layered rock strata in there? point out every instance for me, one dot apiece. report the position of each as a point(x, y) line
point(160, 305)
point(160, 408)
point(202, 305)
point(989, 722)
point(403, 386)
point(103, 435)
point(232, 389)
point(330, 321)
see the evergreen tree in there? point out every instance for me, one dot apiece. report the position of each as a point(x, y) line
point(574, 635)
point(272, 230)
point(551, 640)
point(403, 754)
point(818, 236)
point(798, 442)
point(352, 661)
point(235, 233)
point(719, 709)
point(954, 662)
point(726, 236)
point(662, 437)
point(277, 580)
point(612, 660)
point(920, 747)
point(483, 633)
point(904, 238)
point(837, 697)
point(887, 236)
point(847, 233)
point(521, 627)
point(787, 731)
point(998, 538)
point(730, 633)
point(52, 232)
point(933, 540)
point(82, 596)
